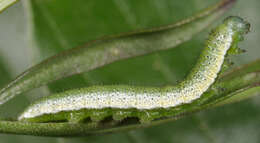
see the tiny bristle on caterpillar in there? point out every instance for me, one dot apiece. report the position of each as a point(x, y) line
point(121, 101)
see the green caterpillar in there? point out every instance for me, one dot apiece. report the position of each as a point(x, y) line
point(107, 50)
point(144, 103)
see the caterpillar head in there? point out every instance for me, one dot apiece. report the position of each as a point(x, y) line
point(238, 27)
point(237, 24)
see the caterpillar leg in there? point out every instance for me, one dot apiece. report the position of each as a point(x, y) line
point(77, 117)
point(99, 115)
point(121, 115)
point(146, 117)
point(80, 117)
point(235, 50)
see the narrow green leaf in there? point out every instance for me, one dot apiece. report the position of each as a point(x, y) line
point(6, 3)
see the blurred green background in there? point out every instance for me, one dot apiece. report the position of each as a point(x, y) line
point(33, 30)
